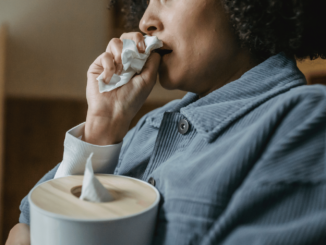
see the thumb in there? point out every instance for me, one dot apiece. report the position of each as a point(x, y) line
point(150, 69)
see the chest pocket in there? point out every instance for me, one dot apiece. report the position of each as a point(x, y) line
point(191, 202)
point(185, 220)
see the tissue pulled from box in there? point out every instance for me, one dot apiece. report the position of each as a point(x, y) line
point(132, 62)
point(92, 189)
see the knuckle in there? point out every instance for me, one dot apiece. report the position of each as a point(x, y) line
point(90, 68)
point(139, 80)
point(123, 35)
point(106, 55)
point(143, 78)
point(110, 68)
point(118, 62)
point(139, 36)
point(118, 59)
point(115, 41)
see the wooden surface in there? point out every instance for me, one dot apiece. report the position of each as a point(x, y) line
point(130, 197)
point(3, 37)
point(34, 134)
point(52, 44)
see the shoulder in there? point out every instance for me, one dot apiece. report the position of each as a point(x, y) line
point(299, 109)
point(299, 103)
point(315, 92)
point(311, 94)
point(296, 147)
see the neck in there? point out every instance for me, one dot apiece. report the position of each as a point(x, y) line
point(242, 63)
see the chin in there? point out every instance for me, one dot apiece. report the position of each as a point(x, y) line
point(166, 85)
point(167, 82)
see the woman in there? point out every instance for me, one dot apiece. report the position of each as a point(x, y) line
point(241, 158)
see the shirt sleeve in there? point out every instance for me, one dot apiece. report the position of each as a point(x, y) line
point(24, 205)
point(76, 152)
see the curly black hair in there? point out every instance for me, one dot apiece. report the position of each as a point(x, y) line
point(265, 27)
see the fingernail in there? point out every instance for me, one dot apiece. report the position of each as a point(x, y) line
point(141, 45)
point(119, 68)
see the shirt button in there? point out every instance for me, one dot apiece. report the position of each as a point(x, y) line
point(183, 126)
point(151, 181)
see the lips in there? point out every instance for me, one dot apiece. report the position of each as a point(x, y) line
point(163, 51)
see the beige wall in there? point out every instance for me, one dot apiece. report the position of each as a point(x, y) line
point(3, 39)
point(51, 44)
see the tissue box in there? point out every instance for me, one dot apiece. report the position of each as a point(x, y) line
point(58, 216)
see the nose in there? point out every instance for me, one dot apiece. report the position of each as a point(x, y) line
point(150, 22)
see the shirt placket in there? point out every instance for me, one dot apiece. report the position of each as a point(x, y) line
point(167, 139)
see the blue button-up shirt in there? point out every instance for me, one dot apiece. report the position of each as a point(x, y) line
point(249, 170)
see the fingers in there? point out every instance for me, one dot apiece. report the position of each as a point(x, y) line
point(138, 38)
point(111, 59)
point(116, 45)
point(115, 48)
point(105, 61)
point(149, 72)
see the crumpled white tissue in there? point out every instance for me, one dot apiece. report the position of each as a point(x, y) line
point(132, 62)
point(92, 189)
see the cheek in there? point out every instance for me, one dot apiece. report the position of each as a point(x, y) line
point(201, 41)
point(181, 70)
point(191, 65)
point(172, 71)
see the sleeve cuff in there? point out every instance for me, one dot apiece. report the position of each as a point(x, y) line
point(24, 208)
point(76, 152)
point(22, 219)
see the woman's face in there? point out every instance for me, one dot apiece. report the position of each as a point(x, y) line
point(205, 52)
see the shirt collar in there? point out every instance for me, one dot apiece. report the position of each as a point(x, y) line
point(214, 112)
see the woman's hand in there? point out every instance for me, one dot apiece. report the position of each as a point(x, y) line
point(110, 113)
point(19, 235)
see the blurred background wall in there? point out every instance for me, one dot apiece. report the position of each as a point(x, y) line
point(49, 47)
point(51, 44)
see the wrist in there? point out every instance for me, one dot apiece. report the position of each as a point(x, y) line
point(104, 130)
